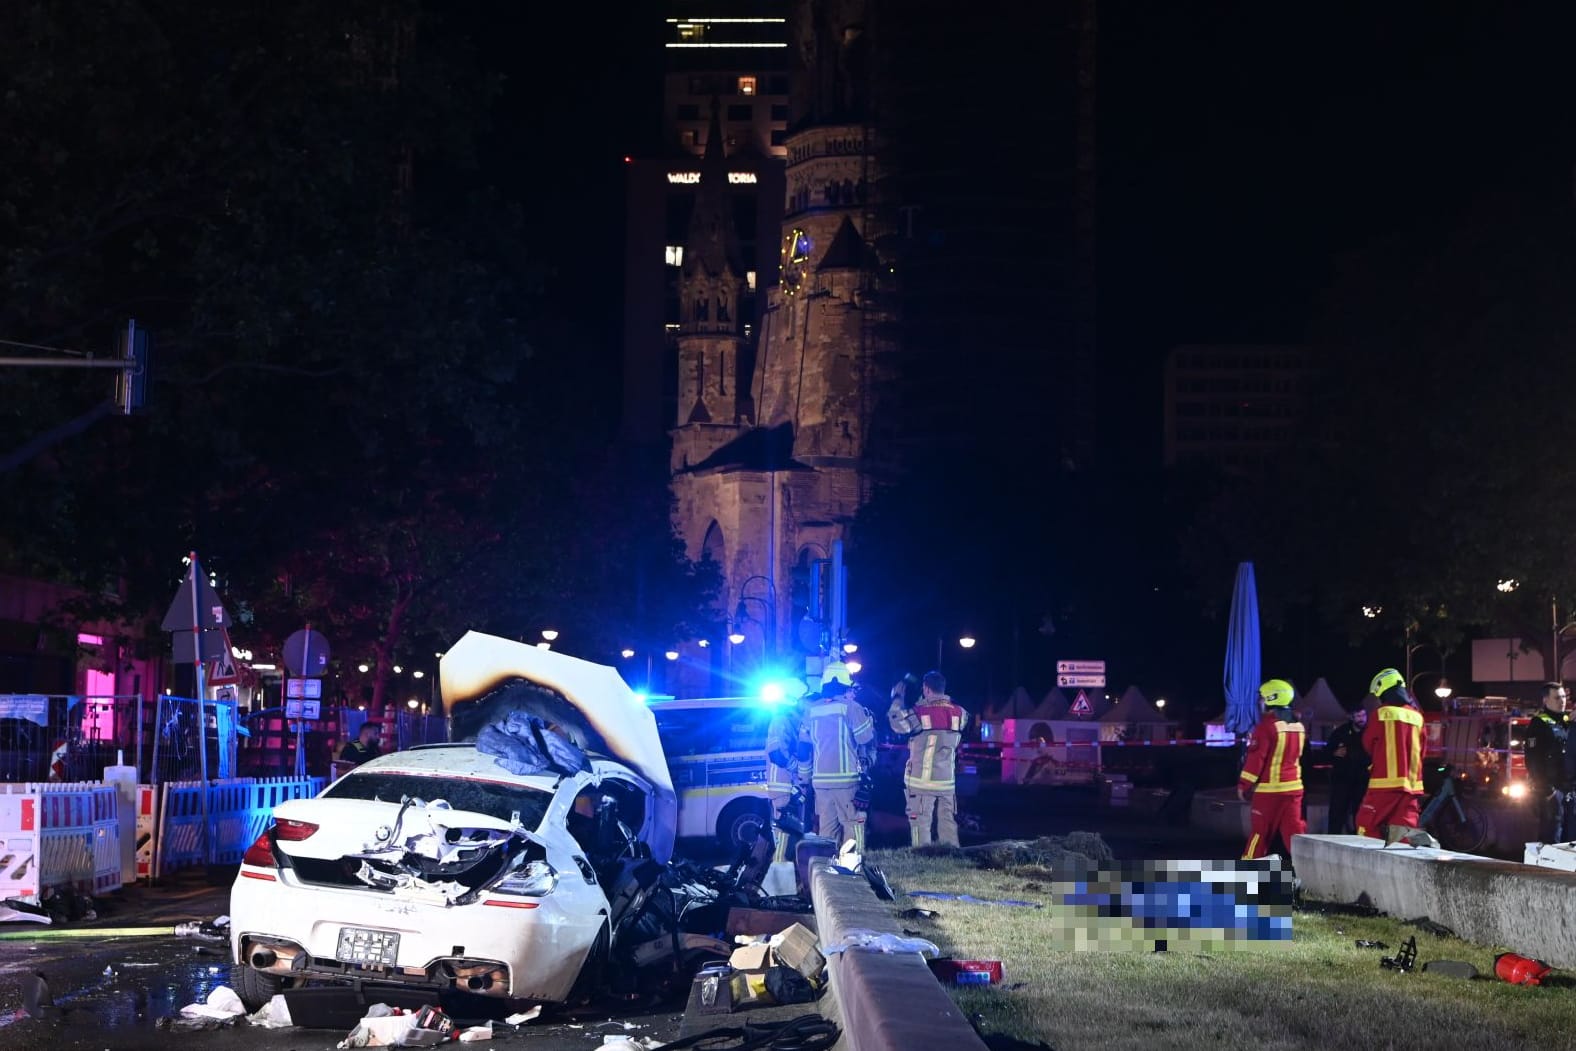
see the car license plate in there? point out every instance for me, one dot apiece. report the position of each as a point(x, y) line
point(369, 948)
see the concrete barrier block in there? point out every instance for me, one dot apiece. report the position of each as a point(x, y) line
point(888, 1002)
point(1523, 908)
point(1218, 810)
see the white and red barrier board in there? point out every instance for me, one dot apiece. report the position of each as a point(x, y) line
point(19, 842)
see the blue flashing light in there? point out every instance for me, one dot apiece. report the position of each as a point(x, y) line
point(772, 693)
point(641, 696)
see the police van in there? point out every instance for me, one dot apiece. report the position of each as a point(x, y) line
point(716, 749)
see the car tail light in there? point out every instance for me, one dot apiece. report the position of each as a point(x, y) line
point(291, 831)
point(532, 881)
point(261, 852)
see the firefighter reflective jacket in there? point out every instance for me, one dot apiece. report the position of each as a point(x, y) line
point(836, 730)
point(1274, 759)
point(1547, 741)
point(1394, 739)
point(933, 727)
point(787, 751)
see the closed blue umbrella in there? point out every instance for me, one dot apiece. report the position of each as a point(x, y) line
point(1242, 654)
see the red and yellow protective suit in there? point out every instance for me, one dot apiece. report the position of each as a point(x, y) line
point(1272, 771)
point(1394, 738)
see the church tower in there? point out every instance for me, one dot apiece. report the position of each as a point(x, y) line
point(769, 476)
point(711, 291)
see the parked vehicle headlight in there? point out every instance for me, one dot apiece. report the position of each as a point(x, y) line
point(1517, 790)
point(534, 880)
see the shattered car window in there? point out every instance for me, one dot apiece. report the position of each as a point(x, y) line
point(483, 797)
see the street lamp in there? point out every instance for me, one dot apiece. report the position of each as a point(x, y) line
point(1160, 703)
point(549, 634)
point(967, 641)
point(418, 674)
point(626, 653)
point(735, 636)
point(362, 668)
point(672, 655)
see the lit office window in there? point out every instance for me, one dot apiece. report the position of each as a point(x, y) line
point(749, 279)
point(746, 85)
point(673, 255)
point(692, 31)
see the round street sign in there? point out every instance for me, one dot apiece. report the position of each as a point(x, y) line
point(306, 653)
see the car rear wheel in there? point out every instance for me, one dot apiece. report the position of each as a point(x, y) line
point(741, 823)
point(254, 987)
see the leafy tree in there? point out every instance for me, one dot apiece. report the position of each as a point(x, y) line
point(349, 392)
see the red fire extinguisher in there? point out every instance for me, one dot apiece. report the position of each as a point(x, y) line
point(1520, 970)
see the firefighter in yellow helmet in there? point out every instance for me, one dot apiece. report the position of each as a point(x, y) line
point(838, 727)
point(1272, 771)
point(1394, 738)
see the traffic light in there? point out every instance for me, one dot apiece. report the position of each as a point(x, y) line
point(131, 384)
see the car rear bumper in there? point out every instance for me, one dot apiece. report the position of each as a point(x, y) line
point(529, 949)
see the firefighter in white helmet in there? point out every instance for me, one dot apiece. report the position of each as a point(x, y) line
point(838, 727)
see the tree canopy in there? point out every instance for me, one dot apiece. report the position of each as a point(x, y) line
point(353, 416)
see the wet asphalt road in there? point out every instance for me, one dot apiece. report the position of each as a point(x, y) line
point(111, 991)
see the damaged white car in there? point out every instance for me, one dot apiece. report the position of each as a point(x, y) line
point(504, 864)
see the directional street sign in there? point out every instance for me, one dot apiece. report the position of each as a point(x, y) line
point(304, 689)
point(1081, 668)
point(1080, 680)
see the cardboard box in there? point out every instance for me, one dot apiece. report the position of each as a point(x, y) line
point(751, 957)
point(798, 947)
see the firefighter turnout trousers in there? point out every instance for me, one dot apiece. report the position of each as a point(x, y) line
point(1383, 807)
point(927, 809)
point(1273, 814)
point(837, 817)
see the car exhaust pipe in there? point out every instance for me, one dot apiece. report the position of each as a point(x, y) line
point(263, 959)
point(479, 981)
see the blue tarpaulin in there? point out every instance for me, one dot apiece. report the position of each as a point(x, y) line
point(1242, 654)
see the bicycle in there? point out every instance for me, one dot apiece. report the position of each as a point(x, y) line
point(1454, 820)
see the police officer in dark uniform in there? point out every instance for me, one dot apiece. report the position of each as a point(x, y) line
point(1549, 763)
point(1348, 773)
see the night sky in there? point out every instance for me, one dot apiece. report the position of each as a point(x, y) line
point(1246, 149)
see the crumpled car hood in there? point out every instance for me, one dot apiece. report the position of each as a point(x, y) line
point(609, 716)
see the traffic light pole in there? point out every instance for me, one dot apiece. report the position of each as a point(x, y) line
point(130, 392)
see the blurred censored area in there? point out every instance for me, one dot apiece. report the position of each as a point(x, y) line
point(1170, 906)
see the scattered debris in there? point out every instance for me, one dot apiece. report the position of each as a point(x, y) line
point(1046, 852)
point(524, 1016)
point(37, 1000)
point(1438, 930)
point(872, 941)
point(222, 1003)
point(970, 899)
point(967, 972)
point(275, 1014)
point(1412, 837)
point(1520, 970)
point(1404, 960)
point(23, 912)
point(1451, 968)
point(919, 914)
point(1368, 943)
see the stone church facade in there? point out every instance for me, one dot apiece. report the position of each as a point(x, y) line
point(774, 450)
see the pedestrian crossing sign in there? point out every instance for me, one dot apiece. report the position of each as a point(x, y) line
point(1081, 705)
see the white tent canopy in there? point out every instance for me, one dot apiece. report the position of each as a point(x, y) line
point(1018, 705)
point(1133, 709)
point(1320, 709)
point(1053, 706)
